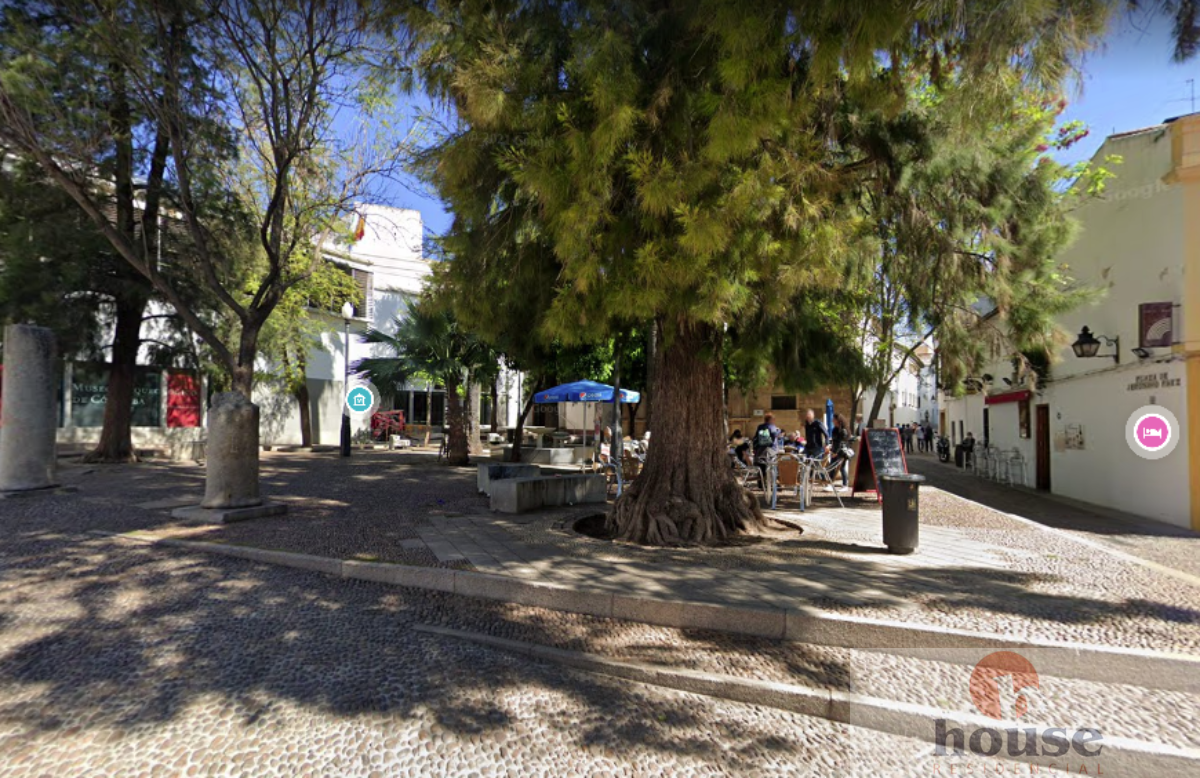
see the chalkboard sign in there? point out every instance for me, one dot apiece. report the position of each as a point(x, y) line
point(880, 454)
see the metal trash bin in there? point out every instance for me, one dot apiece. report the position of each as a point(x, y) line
point(959, 455)
point(900, 512)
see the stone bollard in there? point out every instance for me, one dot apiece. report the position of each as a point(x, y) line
point(231, 453)
point(29, 415)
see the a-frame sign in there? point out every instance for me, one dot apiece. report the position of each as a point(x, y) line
point(881, 453)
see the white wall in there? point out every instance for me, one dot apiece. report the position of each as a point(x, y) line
point(1131, 246)
point(1106, 471)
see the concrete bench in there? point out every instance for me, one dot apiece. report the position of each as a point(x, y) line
point(489, 472)
point(518, 495)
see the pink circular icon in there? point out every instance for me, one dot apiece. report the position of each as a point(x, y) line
point(1152, 432)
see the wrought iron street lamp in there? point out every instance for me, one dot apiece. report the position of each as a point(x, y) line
point(1087, 345)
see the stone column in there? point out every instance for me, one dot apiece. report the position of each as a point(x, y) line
point(29, 419)
point(231, 453)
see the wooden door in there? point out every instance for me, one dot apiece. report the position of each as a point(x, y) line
point(1043, 447)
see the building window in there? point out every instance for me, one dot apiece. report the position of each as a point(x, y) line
point(1023, 418)
point(366, 288)
point(783, 402)
point(365, 281)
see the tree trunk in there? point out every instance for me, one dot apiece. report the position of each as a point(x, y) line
point(457, 452)
point(519, 430)
point(876, 406)
point(116, 443)
point(687, 493)
point(471, 411)
point(651, 358)
point(305, 403)
point(495, 404)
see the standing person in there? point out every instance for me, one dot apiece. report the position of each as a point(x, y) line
point(767, 435)
point(815, 436)
point(929, 436)
point(920, 433)
point(766, 443)
point(839, 446)
point(908, 438)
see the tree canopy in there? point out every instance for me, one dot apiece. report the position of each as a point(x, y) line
point(698, 165)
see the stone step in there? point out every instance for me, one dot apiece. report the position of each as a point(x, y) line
point(1085, 728)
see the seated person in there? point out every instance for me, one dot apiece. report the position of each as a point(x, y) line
point(742, 451)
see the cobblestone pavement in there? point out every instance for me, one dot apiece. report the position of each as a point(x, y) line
point(120, 658)
point(977, 568)
point(1165, 544)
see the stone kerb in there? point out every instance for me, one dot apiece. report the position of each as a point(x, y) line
point(518, 495)
point(489, 472)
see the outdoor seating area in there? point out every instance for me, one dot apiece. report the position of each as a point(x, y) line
point(1004, 466)
point(790, 473)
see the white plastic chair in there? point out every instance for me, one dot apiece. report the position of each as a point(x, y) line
point(1016, 468)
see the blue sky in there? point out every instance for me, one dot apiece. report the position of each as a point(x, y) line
point(1129, 83)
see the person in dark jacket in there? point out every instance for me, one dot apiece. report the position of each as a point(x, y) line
point(767, 435)
point(767, 442)
point(815, 436)
point(839, 441)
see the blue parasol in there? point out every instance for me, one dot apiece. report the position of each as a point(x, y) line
point(584, 392)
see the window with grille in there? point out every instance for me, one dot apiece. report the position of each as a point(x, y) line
point(366, 288)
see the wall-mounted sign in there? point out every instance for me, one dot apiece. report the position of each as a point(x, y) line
point(1019, 395)
point(1147, 381)
point(1074, 436)
point(183, 399)
point(89, 391)
point(1154, 324)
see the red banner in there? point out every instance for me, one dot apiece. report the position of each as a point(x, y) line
point(183, 399)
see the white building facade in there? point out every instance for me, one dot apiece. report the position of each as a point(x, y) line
point(388, 264)
point(1140, 244)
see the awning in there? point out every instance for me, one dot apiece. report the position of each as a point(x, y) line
point(1008, 397)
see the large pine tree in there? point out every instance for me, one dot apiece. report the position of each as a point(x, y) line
point(681, 161)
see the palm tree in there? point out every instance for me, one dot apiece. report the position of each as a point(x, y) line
point(428, 343)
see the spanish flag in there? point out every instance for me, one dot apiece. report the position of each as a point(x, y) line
point(361, 229)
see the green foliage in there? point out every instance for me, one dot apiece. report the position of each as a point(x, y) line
point(242, 109)
point(296, 324)
point(55, 268)
point(698, 164)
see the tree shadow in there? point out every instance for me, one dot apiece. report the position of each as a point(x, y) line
point(105, 634)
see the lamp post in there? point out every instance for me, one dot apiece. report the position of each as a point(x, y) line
point(347, 314)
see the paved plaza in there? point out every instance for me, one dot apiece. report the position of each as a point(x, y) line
point(977, 568)
point(124, 657)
